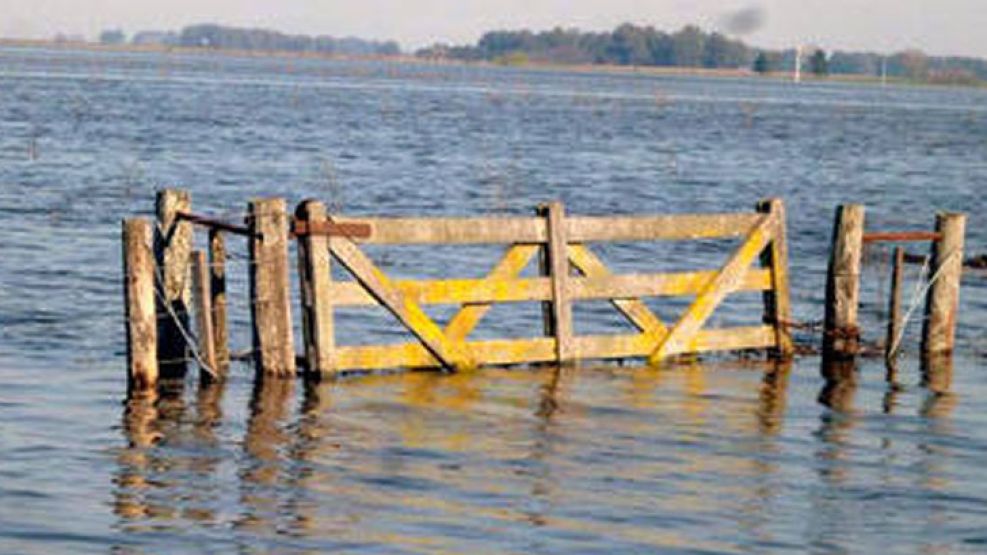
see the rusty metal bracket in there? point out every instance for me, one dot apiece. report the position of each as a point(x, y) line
point(214, 223)
point(352, 230)
point(901, 236)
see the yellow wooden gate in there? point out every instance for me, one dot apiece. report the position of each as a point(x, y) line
point(563, 241)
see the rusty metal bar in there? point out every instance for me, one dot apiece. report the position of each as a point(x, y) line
point(213, 223)
point(329, 228)
point(901, 236)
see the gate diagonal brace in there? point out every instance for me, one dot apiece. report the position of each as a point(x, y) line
point(727, 280)
point(634, 310)
point(469, 315)
point(453, 355)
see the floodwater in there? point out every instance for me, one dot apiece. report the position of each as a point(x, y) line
point(721, 456)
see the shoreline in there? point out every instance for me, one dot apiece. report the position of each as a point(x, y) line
point(600, 69)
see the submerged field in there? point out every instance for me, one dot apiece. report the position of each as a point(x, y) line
point(722, 456)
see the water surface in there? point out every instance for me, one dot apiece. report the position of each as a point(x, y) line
point(719, 457)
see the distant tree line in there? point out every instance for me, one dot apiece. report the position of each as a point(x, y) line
point(690, 46)
point(208, 35)
point(626, 45)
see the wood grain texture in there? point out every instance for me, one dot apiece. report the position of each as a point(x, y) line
point(542, 349)
point(217, 288)
point(274, 350)
point(498, 285)
point(139, 304)
point(558, 260)
point(315, 277)
point(450, 354)
point(894, 303)
point(683, 335)
point(202, 301)
point(943, 301)
point(777, 301)
point(172, 251)
point(632, 308)
point(841, 330)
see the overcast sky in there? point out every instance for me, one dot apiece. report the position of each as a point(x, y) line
point(936, 26)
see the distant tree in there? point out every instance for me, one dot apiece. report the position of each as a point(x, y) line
point(819, 64)
point(112, 36)
point(862, 63)
point(761, 63)
point(629, 46)
point(688, 45)
point(913, 64)
point(154, 38)
point(720, 51)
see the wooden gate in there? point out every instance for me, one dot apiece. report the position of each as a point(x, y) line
point(561, 244)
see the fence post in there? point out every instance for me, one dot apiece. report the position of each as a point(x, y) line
point(894, 308)
point(545, 270)
point(315, 279)
point(217, 288)
point(942, 303)
point(274, 350)
point(140, 314)
point(558, 259)
point(842, 334)
point(202, 299)
point(777, 303)
point(172, 250)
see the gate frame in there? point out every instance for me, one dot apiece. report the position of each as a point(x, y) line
point(324, 240)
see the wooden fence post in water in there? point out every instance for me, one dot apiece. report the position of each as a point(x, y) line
point(315, 275)
point(842, 334)
point(545, 270)
point(894, 306)
point(274, 349)
point(172, 250)
point(202, 299)
point(777, 304)
point(141, 317)
point(217, 288)
point(942, 304)
point(558, 260)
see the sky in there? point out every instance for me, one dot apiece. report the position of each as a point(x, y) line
point(955, 27)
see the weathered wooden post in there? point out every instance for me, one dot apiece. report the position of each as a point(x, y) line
point(841, 332)
point(943, 301)
point(777, 303)
point(172, 249)
point(894, 307)
point(217, 288)
point(545, 270)
point(202, 300)
point(314, 272)
point(558, 259)
point(140, 314)
point(274, 350)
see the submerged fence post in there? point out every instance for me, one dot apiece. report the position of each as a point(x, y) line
point(946, 271)
point(140, 314)
point(894, 306)
point(217, 288)
point(777, 303)
point(315, 279)
point(172, 249)
point(545, 270)
point(558, 259)
point(842, 334)
point(202, 299)
point(274, 350)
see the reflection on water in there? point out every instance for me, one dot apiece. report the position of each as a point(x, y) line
point(707, 458)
